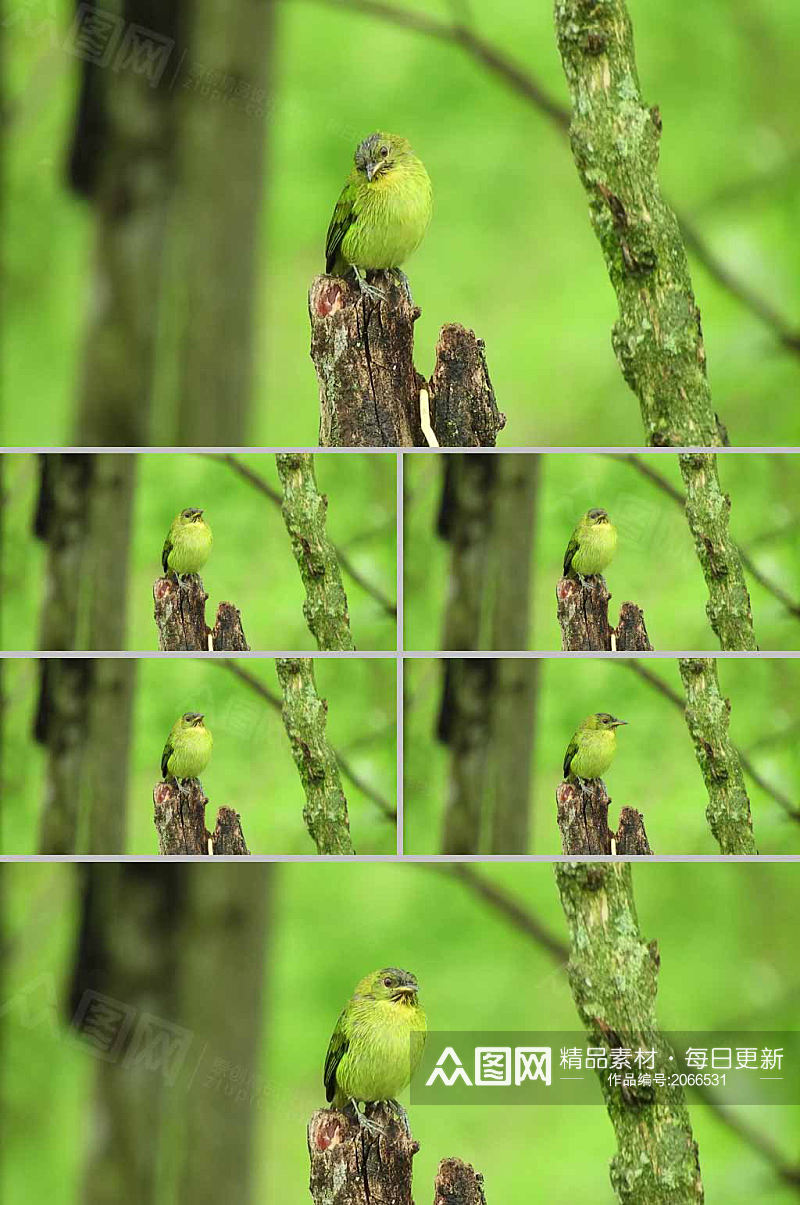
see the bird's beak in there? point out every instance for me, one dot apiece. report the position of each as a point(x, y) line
point(406, 989)
point(370, 169)
point(619, 723)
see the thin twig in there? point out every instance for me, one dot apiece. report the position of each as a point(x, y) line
point(506, 904)
point(342, 557)
point(651, 474)
point(344, 765)
point(783, 801)
point(521, 81)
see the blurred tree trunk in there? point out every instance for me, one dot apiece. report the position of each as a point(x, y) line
point(487, 711)
point(111, 703)
point(516, 679)
point(224, 940)
point(123, 986)
point(122, 160)
point(222, 135)
point(64, 686)
point(84, 709)
point(465, 521)
point(170, 963)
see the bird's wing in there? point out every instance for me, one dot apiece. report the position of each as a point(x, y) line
point(165, 756)
point(342, 220)
point(572, 749)
point(572, 548)
point(337, 1048)
point(165, 551)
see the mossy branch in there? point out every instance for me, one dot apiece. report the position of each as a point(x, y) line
point(708, 720)
point(304, 511)
point(615, 138)
point(613, 976)
point(305, 716)
point(708, 513)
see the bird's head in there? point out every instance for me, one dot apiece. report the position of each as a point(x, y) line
point(399, 987)
point(192, 719)
point(190, 515)
point(602, 720)
point(596, 516)
point(379, 154)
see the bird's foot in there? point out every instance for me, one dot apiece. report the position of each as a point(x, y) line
point(402, 280)
point(364, 1122)
point(368, 290)
point(184, 786)
point(401, 1115)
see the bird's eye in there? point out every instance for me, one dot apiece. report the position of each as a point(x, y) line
point(387, 982)
point(384, 151)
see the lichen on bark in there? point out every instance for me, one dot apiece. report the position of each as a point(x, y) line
point(708, 721)
point(305, 716)
point(615, 139)
point(304, 511)
point(708, 514)
point(613, 975)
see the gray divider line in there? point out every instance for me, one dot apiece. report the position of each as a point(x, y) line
point(557, 451)
point(399, 659)
point(417, 859)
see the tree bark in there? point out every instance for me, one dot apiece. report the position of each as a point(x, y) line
point(615, 142)
point(180, 820)
point(352, 1167)
point(708, 720)
point(180, 615)
point(304, 717)
point(458, 1183)
point(583, 822)
point(613, 976)
point(708, 513)
point(221, 133)
point(582, 609)
point(304, 511)
point(363, 353)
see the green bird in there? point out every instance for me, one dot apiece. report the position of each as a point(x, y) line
point(377, 1043)
point(188, 748)
point(591, 546)
point(188, 544)
point(592, 748)
point(383, 211)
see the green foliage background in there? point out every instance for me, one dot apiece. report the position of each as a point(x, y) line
point(251, 562)
point(655, 564)
point(654, 770)
point(510, 251)
point(727, 938)
point(251, 767)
